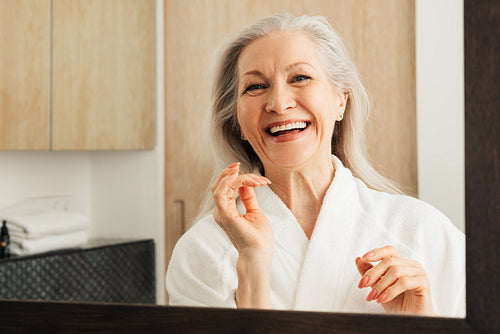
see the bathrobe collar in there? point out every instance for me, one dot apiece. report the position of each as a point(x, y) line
point(320, 275)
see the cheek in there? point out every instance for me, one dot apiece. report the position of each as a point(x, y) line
point(246, 118)
point(322, 106)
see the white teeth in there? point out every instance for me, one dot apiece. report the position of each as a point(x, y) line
point(289, 126)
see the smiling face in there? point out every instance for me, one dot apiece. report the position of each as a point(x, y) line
point(286, 105)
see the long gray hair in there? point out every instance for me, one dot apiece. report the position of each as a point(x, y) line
point(348, 141)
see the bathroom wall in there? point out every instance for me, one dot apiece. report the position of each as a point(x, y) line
point(26, 175)
point(440, 106)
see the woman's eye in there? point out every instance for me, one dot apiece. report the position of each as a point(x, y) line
point(254, 87)
point(301, 78)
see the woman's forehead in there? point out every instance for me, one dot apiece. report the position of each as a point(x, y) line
point(278, 49)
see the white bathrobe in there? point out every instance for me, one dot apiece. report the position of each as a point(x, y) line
point(320, 274)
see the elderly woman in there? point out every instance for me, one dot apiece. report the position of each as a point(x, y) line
point(300, 219)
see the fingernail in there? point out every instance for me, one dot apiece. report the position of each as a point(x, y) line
point(371, 295)
point(266, 180)
point(363, 282)
point(259, 180)
point(234, 164)
point(382, 298)
point(368, 255)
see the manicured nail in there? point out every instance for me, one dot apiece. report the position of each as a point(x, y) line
point(363, 282)
point(382, 298)
point(371, 295)
point(234, 164)
point(265, 179)
point(368, 255)
point(259, 180)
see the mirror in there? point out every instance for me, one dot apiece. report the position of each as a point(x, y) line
point(482, 183)
point(93, 177)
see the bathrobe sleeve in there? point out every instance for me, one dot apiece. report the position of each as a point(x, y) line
point(422, 233)
point(202, 268)
point(442, 247)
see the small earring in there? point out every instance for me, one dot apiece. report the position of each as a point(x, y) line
point(340, 117)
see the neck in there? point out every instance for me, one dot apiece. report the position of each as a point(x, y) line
point(303, 189)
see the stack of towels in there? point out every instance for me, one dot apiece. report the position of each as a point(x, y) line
point(35, 228)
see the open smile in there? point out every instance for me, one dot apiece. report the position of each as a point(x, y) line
point(287, 128)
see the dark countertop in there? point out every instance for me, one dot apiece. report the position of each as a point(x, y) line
point(92, 244)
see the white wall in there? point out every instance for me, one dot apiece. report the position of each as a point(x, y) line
point(122, 192)
point(25, 175)
point(440, 106)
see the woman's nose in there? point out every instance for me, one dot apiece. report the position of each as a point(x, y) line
point(280, 100)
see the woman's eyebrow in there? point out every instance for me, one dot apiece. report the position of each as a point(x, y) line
point(287, 68)
point(253, 72)
point(298, 64)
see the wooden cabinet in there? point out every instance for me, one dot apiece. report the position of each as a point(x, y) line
point(79, 77)
point(103, 74)
point(24, 74)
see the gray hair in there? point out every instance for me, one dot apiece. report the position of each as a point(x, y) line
point(348, 141)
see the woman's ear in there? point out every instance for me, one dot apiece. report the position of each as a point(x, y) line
point(343, 97)
point(240, 130)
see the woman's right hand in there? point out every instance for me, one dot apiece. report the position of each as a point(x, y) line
point(251, 234)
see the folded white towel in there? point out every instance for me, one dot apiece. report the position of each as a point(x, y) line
point(49, 243)
point(33, 221)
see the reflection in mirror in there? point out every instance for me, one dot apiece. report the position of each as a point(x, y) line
point(307, 245)
point(96, 180)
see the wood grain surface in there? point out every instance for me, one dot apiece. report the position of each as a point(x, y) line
point(52, 317)
point(24, 74)
point(482, 162)
point(103, 74)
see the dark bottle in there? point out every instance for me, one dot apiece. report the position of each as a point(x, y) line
point(4, 241)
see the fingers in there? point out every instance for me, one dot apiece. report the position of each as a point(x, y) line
point(226, 188)
point(224, 173)
point(392, 276)
point(378, 254)
point(363, 265)
point(246, 231)
point(405, 283)
point(230, 185)
point(228, 182)
point(374, 274)
point(249, 199)
point(389, 256)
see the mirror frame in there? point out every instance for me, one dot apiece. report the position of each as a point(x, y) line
point(482, 175)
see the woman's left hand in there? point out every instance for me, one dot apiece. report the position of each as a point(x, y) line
point(399, 284)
